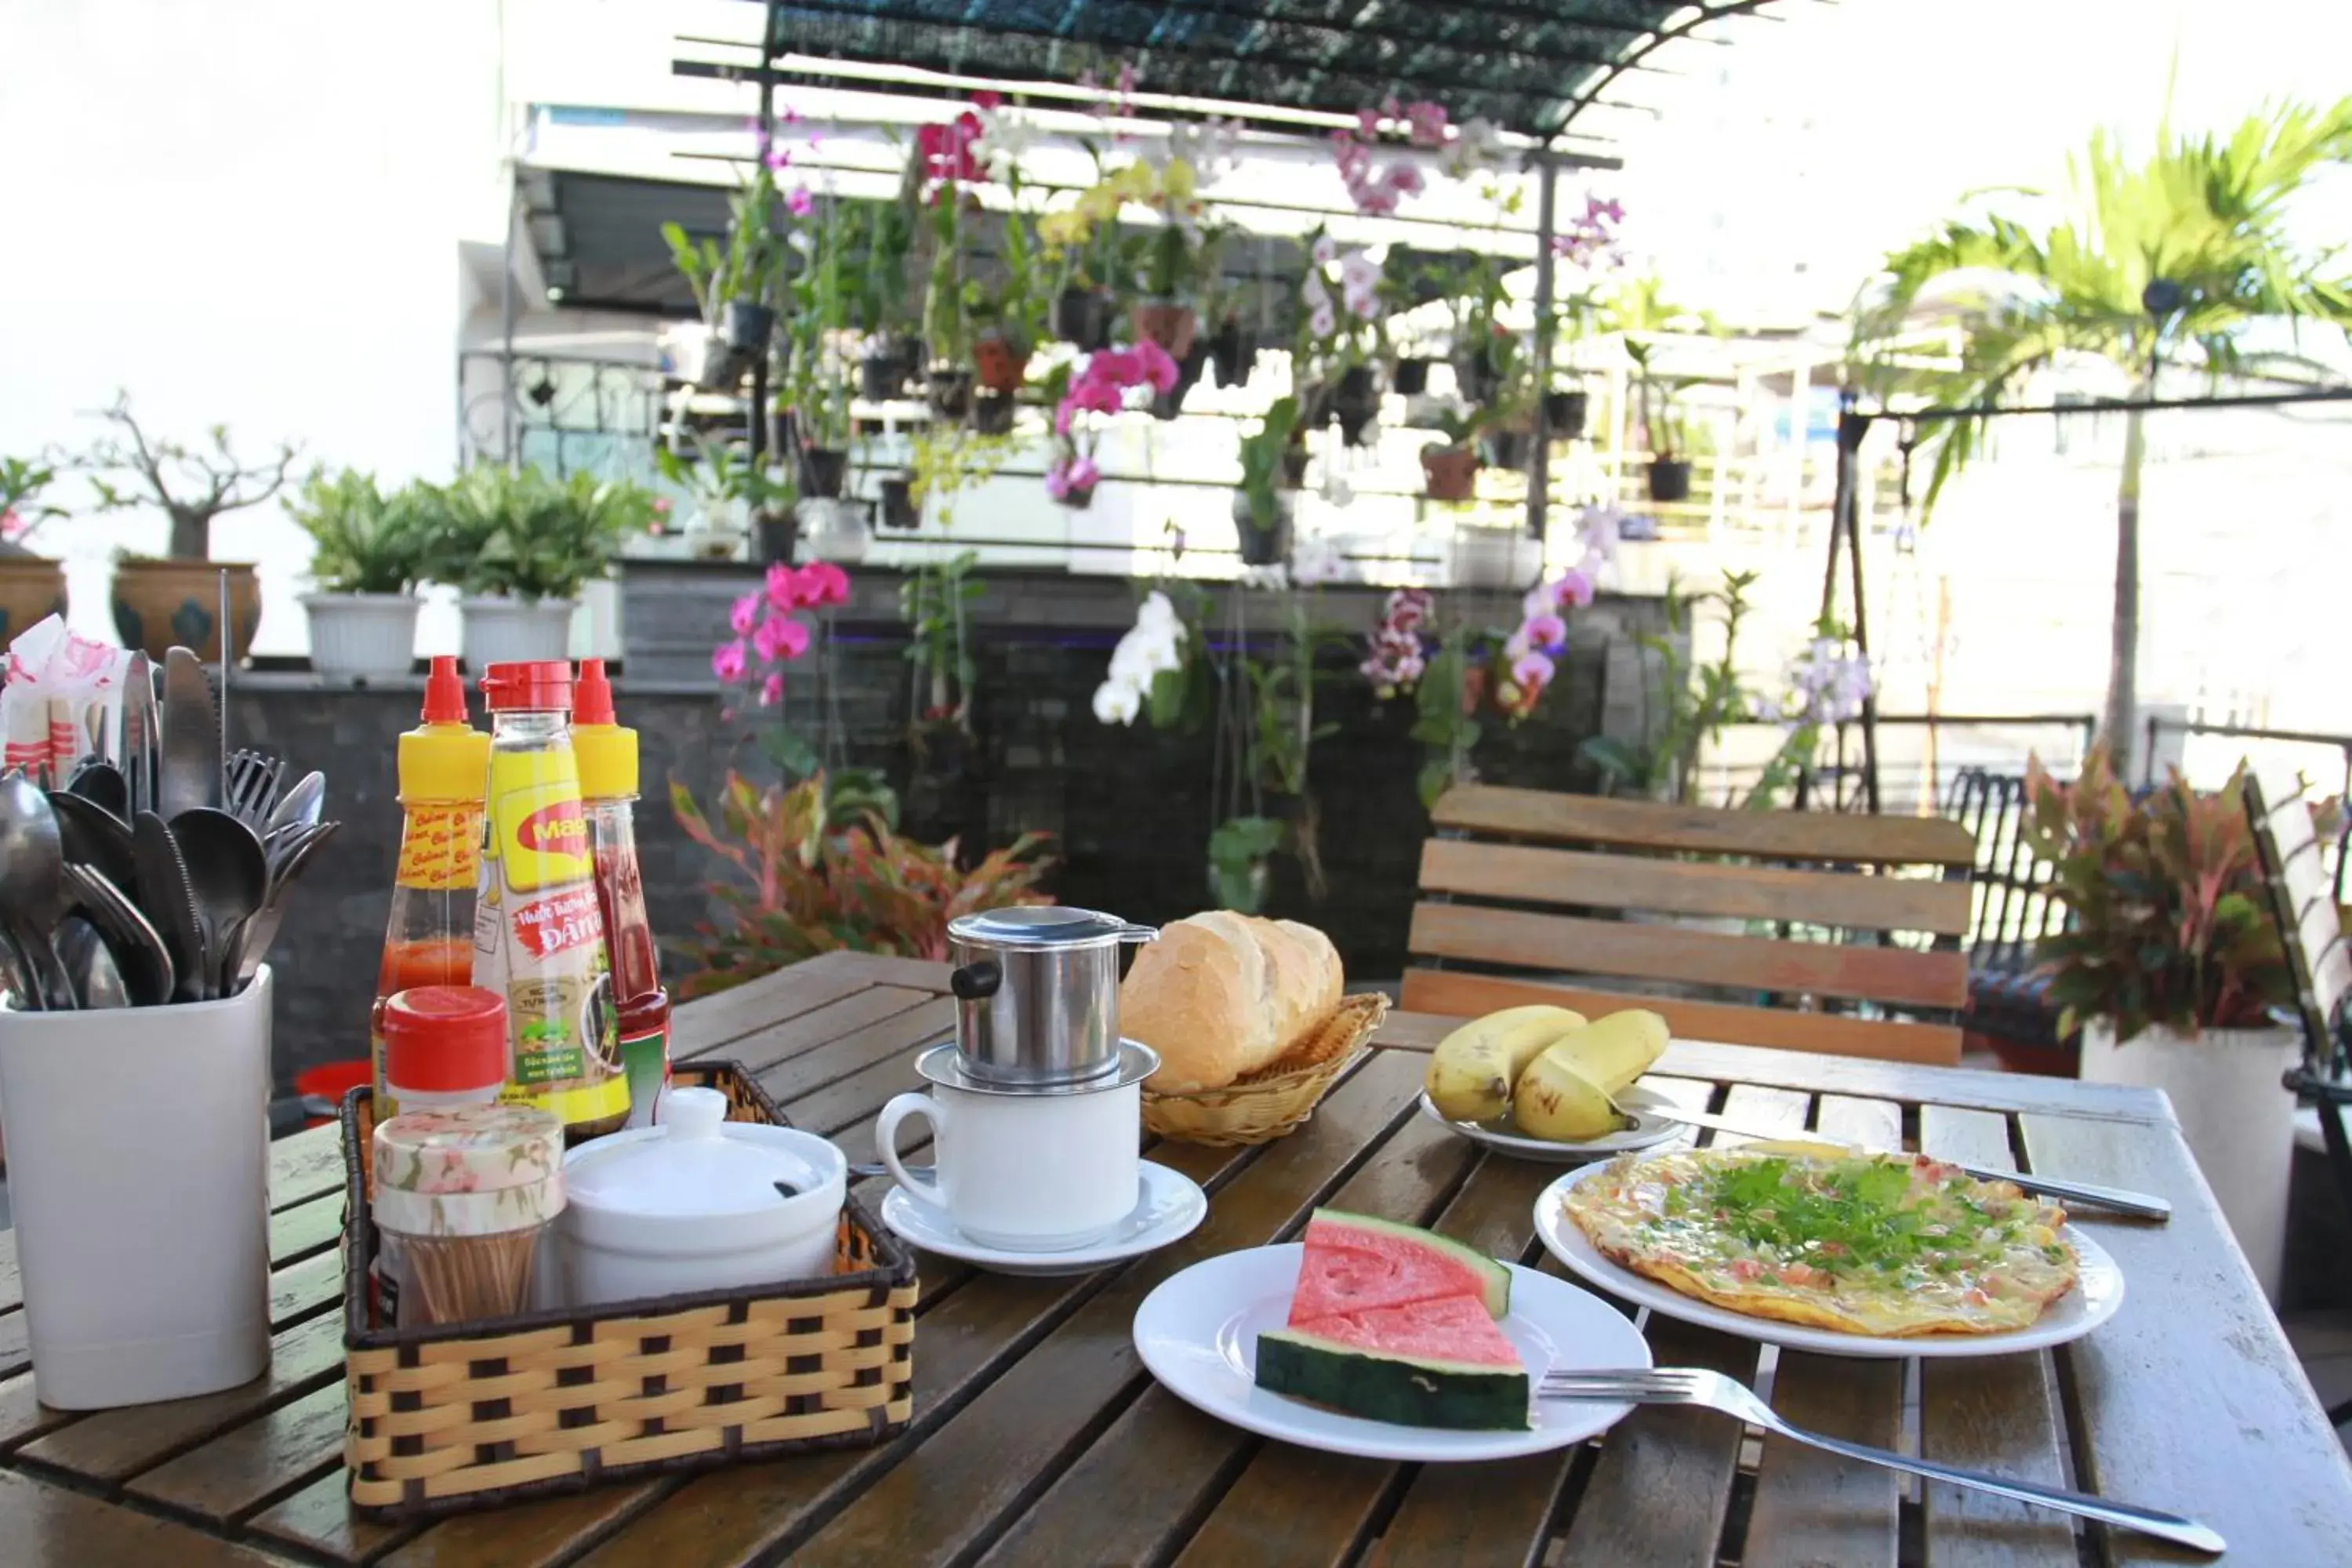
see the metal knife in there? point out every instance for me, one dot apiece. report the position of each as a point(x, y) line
point(192, 759)
point(2142, 1205)
point(139, 736)
point(169, 902)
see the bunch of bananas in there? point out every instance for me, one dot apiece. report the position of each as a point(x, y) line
point(1551, 1069)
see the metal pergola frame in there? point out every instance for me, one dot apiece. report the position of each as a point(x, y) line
point(1845, 520)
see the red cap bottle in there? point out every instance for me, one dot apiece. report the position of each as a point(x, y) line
point(534, 686)
point(445, 1044)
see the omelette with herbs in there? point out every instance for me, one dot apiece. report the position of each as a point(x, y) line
point(1887, 1244)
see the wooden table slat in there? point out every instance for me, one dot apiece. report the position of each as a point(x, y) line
point(2191, 1397)
point(40, 1524)
point(1999, 1414)
point(706, 1027)
point(803, 1032)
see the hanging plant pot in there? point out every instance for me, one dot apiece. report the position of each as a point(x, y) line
point(1267, 545)
point(776, 536)
point(1083, 317)
point(1171, 323)
point(1169, 403)
point(821, 470)
point(1355, 402)
point(1564, 413)
point(1076, 499)
point(888, 364)
point(1234, 354)
point(1294, 464)
point(1479, 377)
point(1507, 448)
point(783, 432)
point(749, 325)
point(1000, 362)
point(899, 503)
point(1449, 473)
point(991, 413)
point(1411, 377)
point(723, 366)
point(1669, 480)
point(950, 392)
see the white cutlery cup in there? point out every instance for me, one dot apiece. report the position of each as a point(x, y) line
point(1024, 1172)
point(139, 1173)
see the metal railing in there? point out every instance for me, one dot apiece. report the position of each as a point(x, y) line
point(2281, 748)
point(1921, 757)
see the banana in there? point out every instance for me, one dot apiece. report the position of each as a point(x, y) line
point(1555, 1100)
point(1472, 1071)
point(1617, 1047)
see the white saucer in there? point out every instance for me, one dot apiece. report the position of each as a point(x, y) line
point(1503, 1135)
point(1170, 1204)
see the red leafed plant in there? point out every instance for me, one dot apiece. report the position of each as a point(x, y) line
point(2171, 923)
point(821, 867)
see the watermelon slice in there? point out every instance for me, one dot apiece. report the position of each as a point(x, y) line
point(1355, 1263)
point(1439, 1362)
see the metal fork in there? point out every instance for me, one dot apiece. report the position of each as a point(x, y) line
point(1712, 1390)
point(253, 782)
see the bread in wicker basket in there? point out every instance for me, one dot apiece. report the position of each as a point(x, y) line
point(1261, 1106)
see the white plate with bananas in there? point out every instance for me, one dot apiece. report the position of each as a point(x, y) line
point(1545, 1083)
point(1504, 1136)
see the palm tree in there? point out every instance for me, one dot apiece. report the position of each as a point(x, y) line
point(2168, 263)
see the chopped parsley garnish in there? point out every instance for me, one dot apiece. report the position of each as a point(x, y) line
point(1846, 1215)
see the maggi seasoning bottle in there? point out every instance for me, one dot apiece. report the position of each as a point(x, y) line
point(429, 940)
point(538, 935)
point(608, 789)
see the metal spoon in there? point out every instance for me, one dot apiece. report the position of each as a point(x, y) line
point(103, 784)
point(302, 805)
point(33, 896)
point(140, 954)
point(16, 975)
point(90, 964)
point(229, 876)
point(93, 836)
point(170, 903)
point(253, 941)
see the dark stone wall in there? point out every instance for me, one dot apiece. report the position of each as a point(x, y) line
point(1130, 809)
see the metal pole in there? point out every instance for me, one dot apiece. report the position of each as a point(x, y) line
point(1847, 415)
point(1539, 468)
point(506, 330)
point(756, 436)
point(1846, 518)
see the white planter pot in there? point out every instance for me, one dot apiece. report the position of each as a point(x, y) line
point(1485, 557)
point(508, 631)
point(835, 531)
point(2238, 1120)
point(367, 636)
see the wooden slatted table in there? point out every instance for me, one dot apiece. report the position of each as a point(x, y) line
point(1040, 1440)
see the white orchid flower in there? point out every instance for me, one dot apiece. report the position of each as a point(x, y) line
point(1117, 702)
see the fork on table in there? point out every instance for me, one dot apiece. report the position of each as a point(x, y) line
point(1712, 1390)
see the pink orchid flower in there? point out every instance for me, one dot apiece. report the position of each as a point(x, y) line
point(798, 202)
point(822, 582)
point(779, 638)
point(729, 662)
point(771, 691)
point(745, 615)
point(783, 588)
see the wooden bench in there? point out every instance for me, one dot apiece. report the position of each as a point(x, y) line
point(1506, 862)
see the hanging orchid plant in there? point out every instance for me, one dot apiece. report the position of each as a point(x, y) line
point(769, 628)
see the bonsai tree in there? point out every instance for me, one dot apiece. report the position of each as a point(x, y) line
point(22, 510)
point(191, 485)
point(2175, 261)
point(362, 540)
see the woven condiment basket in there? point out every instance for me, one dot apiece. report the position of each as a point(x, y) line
point(1262, 1106)
point(471, 1415)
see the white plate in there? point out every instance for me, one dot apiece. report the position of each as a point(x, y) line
point(1169, 1205)
point(2098, 1292)
point(1503, 1137)
point(1197, 1333)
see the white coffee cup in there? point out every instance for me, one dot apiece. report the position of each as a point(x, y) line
point(1024, 1172)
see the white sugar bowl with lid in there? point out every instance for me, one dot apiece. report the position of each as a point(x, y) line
point(699, 1202)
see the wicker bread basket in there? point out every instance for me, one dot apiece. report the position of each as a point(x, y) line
point(468, 1416)
point(1262, 1106)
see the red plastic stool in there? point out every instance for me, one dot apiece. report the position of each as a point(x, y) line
point(322, 1088)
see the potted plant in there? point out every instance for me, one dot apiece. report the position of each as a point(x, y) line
point(1233, 351)
point(733, 283)
point(877, 239)
point(1008, 314)
point(32, 587)
point(2170, 964)
point(734, 497)
point(1449, 468)
point(897, 502)
point(158, 602)
point(366, 551)
point(1339, 340)
point(518, 546)
point(1263, 505)
point(815, 382)
point(1669, 474)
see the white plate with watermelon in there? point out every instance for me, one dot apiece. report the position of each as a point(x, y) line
point(1396, 1320)
point(2097, 1295)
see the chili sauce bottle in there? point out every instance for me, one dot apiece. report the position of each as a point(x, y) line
point(608, 789)
point(429, 938)
point(539, 934)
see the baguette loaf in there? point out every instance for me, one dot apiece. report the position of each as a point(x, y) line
point(1222, 995)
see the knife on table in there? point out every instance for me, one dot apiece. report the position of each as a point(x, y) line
point(192, 759)
point(2141, 1205)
